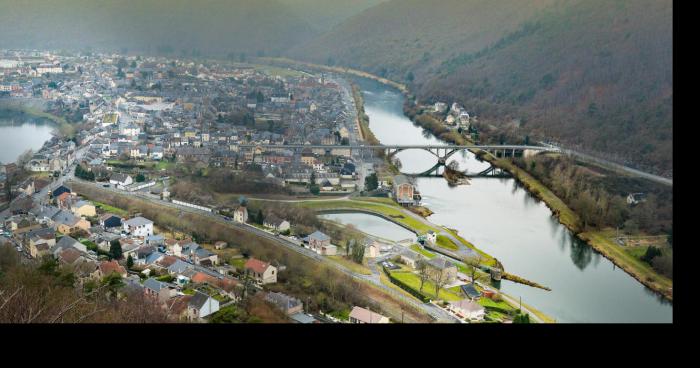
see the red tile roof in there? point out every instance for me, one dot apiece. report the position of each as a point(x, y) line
point(112, 266)
point(256, 265)
point(201, 277)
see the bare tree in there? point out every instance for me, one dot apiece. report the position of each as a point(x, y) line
point(423, 273)
point(24, 158)
point(440, 280)
point(474, 265)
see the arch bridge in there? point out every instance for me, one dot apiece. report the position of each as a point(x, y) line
point(442, 152)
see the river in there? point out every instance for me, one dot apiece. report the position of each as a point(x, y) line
point(503, 219)
point(20, 133)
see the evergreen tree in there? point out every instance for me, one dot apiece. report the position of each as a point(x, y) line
point(129, 262)
point(115, 249)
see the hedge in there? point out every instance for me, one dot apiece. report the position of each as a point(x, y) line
point(405, 287)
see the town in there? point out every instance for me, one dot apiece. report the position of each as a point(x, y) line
point(175, 131)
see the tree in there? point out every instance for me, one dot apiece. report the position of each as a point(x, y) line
point(315, 189)
point(371, 182)
point(312, 179)
point(115, 249)
point(440, 280)
point(423, 273)
point(129, 262)
point(358, 252)
point(140, 178)
point(651, 253)
point(474, 265)
point(521, 318)
point(24, 158)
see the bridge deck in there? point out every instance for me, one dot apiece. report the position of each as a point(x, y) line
point(402, 147)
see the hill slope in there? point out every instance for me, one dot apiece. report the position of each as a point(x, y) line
point(171, 26)
point(592, 73)
point(322, 15)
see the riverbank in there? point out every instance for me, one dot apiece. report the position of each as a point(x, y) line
point(642, 272)
point(334, 69)
point(567, 217)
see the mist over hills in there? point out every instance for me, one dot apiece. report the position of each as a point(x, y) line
point(592, 73)
point(208, 27)
point(323, 15)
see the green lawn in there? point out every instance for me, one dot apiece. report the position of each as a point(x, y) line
point(108, 208)
point(393, 214)
point(163, 164)
point(601, 241)
point(239, 263)
point(445, 242)
point(422, 251)
point(413, 281)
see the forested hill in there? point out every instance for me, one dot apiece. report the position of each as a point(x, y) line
point(593, 73)
point(205, 27)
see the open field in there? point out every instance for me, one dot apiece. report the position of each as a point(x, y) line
point(413, 281)
point(644, 273)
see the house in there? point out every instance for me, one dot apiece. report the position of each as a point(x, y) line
point(157, 289)
point(155, 240)
point(139, 226)
point(362, 315)
point(204, 257)
point(261, 272)
point(467, 309)
point(65, 222)
point(220, 245)
point(303, 318)
point(241, 214)
point(403, 190)
point(178, 267)
point(431, 237)
point(471, 292)
point(276, 223)
point(41, 241)
point(68, 242)
point(288, 304)
point(410, 258)
point(121, 180)
point(60, 190)
point(201, 305)
point(84, 209)
point(447, 270)
point(107, 268)
point(109, 221)
point(636, 198)
point(317, 240)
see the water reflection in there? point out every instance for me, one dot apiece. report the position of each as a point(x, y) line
point(581, 253)
point(501, 218)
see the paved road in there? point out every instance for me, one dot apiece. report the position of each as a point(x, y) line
point(438, 314)
point(605, 163)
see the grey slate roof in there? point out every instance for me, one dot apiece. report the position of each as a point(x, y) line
point(138, 221)
point(198, 300)
point(317, 235)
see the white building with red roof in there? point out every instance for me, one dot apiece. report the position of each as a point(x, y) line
point(262, 272)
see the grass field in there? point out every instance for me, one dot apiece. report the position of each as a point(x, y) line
point(392, 214)
point(413, 281)
point(602, 242)
point(445, 242)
